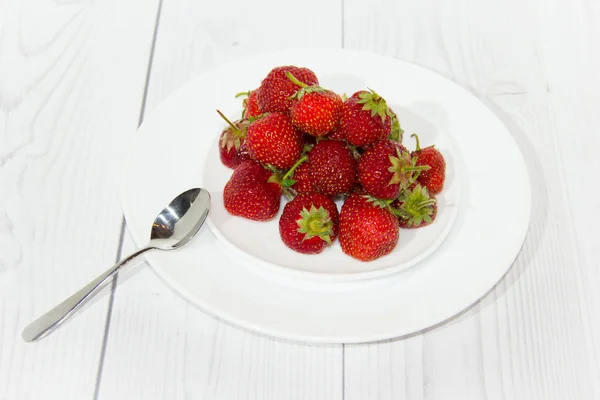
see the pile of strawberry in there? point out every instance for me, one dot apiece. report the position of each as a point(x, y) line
point(308, 143)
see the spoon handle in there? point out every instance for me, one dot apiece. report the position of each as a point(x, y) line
point(59, 314)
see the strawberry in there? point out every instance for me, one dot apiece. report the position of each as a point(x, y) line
point(433, 178)
point(415, 208)
point(301, 176)
point(332, 167)
point(250, 103)
point(250, 194)
point(276, 89)
point(309, 223)
point(365, 118)
point(232, 148)
point(315, 110)
point(272, 139)
point(368, 230)
point(386, 168)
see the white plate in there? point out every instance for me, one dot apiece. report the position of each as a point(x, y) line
point(175, 144)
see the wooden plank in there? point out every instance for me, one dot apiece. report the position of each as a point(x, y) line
point(71, 78)
point(570, 61)
point(533, 336)
point(159, 346)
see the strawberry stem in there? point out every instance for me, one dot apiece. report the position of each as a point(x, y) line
point(293, 79)
point(235, 128)
point(417, 139)
point(416, 168)
point(426, 203)
point(291, 170)
point(240, 94)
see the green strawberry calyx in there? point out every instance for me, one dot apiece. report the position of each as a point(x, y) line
point(377, 202)
point(397, 132)
point(235, 133)
point(404, 169)
point(416, 206)
point(304, 88)
point(385, 204)
point(315, 222)
point(373, 102)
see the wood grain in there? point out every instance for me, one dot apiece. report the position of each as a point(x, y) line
point(535, 335)
point(70, 78)
point(159, 346)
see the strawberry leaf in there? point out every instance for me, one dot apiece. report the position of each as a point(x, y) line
point(375, 201)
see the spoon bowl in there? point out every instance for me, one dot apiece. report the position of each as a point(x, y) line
point(172, 228)
point(178, 222)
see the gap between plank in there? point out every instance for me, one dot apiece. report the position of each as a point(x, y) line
point(343, 371)
point(113, 286)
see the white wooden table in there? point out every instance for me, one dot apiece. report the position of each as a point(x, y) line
point(77, 77)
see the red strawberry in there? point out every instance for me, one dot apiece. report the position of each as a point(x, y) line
point(434, 177)
point(315, 110)
point(332, 167)
point(301, 176)
point(368, 230)
point(415, 208)
point(386, 168)
point(365, 118)
point(309, 223)
point(250, 103)
point(276, 89)
point(250, 194)
point(232, 148)
point(273, 140)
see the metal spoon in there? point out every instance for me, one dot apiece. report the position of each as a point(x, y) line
point(172, 228)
